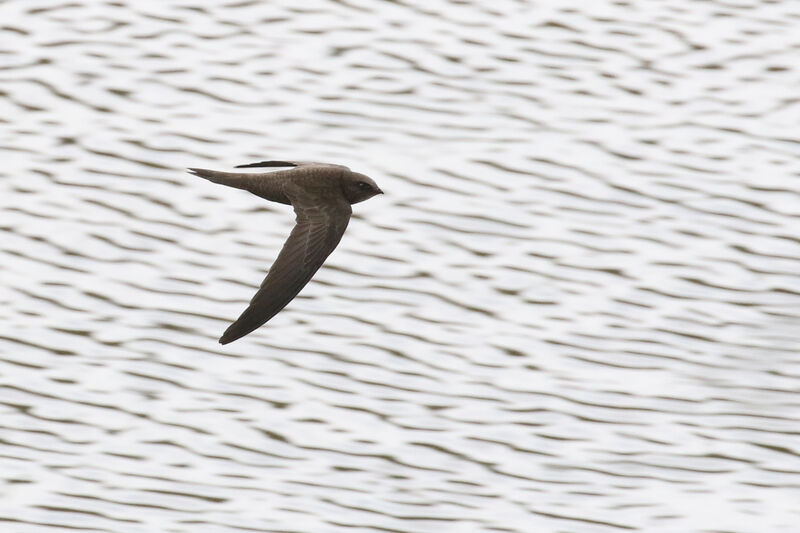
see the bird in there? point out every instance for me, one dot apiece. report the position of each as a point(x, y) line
point(321, 195)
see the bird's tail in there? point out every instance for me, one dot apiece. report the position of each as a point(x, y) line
point(231, 179)
point(266, 185)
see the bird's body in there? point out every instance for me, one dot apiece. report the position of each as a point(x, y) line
point(321, 195)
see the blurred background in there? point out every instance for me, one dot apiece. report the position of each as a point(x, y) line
point(574, 310)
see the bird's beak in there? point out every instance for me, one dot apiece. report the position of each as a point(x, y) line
point(380, 191)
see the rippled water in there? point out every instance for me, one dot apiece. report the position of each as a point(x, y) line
point(575, 309)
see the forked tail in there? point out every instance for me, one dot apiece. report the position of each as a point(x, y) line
point(267, 186)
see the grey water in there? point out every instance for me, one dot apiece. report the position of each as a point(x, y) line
point(575, 309)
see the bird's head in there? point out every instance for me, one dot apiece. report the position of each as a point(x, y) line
point(358, 187)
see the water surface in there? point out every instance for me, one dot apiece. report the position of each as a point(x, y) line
point(575, 309)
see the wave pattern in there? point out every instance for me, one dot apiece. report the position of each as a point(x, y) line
point(575, 309)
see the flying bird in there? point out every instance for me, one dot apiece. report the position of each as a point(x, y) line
point(321, 195)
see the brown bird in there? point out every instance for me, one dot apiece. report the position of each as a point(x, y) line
point(321, 195)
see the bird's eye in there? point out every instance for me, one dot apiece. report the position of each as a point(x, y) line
point(363, 185)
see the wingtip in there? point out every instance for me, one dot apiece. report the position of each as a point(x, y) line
point(233, 333)
point(229, 336)
point(225, 340)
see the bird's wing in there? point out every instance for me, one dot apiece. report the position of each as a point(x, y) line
point(289, 164)
point(319, 228)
